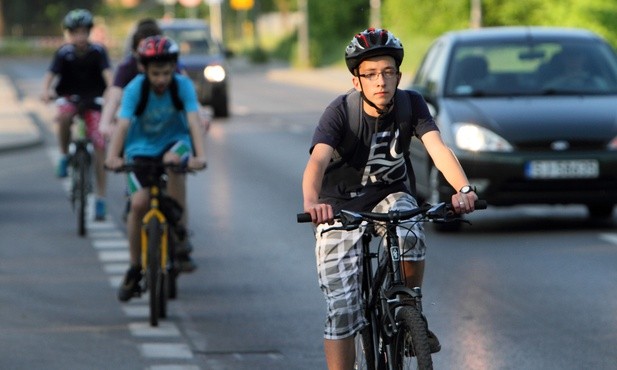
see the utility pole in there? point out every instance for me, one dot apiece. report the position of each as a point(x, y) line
point(303, 34)
point(475, 17)
point(375, 16)
point(216, 19)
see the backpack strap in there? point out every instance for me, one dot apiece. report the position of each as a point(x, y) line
point(145, 92)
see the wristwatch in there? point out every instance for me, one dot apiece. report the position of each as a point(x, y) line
point(467, 189)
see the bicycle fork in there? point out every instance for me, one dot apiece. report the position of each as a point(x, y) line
point(154, 212)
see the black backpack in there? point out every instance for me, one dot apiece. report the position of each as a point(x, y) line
point(403, 116)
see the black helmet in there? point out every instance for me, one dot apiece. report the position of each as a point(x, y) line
point(78, 18)
point(372, 42)
point(157, 48)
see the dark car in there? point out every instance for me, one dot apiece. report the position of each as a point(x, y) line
point(204, 59)
point(531, 113)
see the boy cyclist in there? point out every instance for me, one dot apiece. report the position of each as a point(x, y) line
point(158, 119)
point(125, 72)
point(81, 69)
point(372, 175)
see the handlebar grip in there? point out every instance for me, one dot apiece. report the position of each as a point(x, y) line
point(480, 204)
point(304, 217)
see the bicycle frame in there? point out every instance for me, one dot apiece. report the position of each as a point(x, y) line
point(155, 212)
point(382, 299)
point(397, 330)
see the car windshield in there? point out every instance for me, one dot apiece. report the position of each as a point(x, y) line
point(193, 41)
point(547, 68)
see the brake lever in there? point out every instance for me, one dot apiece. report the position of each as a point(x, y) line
point(343, 228)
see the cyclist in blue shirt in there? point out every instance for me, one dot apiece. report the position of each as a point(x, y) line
point(158, 118)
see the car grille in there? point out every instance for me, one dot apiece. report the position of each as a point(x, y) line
point(575, 145)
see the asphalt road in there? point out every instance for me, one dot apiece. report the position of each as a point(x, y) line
point(521, 288)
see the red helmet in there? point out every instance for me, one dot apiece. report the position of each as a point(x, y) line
point(373, 42)
point(157, 48)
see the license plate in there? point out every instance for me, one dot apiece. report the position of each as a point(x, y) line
point(570, 169)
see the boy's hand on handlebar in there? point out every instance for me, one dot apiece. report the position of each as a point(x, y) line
point(320, 213)
point(464, 202)
point(197, 163)
point(114, 162)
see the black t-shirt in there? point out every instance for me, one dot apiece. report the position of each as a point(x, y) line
point(126, 71)
point(378, 168)
point(80, 73)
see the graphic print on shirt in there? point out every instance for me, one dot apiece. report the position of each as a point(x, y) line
point(157, 118)
point(385, 164)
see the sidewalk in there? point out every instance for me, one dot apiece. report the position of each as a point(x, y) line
point(17, 127)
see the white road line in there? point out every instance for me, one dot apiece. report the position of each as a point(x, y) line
point(166, 350)
point(110, 244)
point(142, 311)
point(116, 268)
point(174, 367)
point(114, 256)
point(143, 329)
point(609, 237)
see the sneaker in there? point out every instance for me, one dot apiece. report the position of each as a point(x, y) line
point(184, 262)
point(100, 210)
point(62, 169)
point(130, 286)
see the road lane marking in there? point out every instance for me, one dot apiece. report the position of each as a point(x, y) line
point(166, 350)
point(143, 329)
point(609, 237)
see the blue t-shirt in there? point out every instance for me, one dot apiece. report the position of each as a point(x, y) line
point(161, 124)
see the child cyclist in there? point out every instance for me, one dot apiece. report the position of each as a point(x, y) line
point(82, 70)
point(158, 119)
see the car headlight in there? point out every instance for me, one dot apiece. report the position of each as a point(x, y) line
point(479, 139)
point(215, 73)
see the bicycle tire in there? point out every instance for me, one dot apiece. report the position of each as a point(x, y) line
point(410, 346)
point(80, 189)
point(365, 349)
point(172, 270)
point(154, 274)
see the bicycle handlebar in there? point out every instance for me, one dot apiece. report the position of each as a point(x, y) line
point(440, 211)
point(128, 167)
point(82, 104)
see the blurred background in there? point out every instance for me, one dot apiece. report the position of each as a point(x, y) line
point(307, 33)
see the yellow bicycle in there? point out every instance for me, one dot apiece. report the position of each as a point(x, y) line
point(159, 232)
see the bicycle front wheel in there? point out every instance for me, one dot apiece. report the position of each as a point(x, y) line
point(410, 346)
point(365, 349)
point(156, 279)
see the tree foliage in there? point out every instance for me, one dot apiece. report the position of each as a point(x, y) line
point(332, 23)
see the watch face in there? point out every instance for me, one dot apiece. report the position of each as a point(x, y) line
point(466, 189)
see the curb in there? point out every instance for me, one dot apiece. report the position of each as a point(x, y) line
point(17, 125)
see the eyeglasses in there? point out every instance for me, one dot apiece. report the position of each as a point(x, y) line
point(388, 74)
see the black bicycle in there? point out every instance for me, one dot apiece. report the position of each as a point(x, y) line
point(80, 159)
point(160, 232)
point(396, 336)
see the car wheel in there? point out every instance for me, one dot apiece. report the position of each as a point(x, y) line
point(600, 211)
point(220, 106)
point(437, 183)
